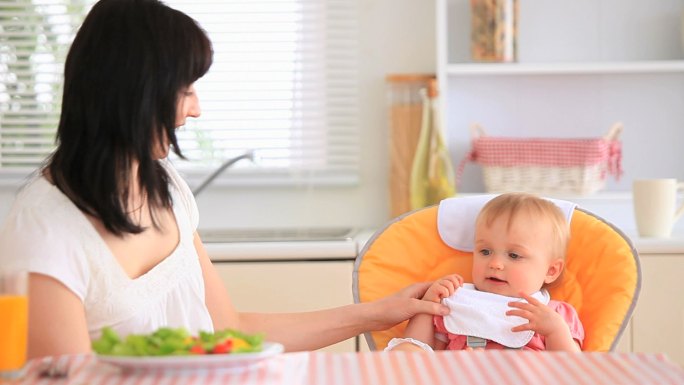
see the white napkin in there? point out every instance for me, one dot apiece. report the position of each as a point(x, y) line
point(456, 218)
point(481, 314)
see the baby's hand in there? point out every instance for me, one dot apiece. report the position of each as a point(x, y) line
point(443, 288)
point(542, 319)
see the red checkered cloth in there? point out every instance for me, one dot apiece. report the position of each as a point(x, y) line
point(517, 152)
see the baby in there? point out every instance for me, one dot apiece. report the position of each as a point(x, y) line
point(520, 244)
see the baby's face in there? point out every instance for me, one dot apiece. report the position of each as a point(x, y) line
point(510, 259)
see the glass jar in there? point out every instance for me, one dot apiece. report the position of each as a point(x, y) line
point(494, 30)
point(405, 109)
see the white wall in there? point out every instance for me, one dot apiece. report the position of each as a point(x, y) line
point(398, 36)
point(395, 36)
point(649, 104)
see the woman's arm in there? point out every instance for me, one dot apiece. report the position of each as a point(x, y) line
point(57, 322)
point(221, 309)
point(315, 329)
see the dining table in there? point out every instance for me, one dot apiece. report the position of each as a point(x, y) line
point(379, 368)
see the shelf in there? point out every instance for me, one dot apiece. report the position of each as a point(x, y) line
point(588, 68)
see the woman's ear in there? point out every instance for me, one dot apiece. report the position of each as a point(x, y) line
point(554, 271)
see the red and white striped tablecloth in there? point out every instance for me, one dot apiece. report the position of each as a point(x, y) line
point(379, 368)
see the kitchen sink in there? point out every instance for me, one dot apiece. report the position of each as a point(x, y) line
point(277, 234)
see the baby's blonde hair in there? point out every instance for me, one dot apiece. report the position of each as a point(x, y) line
point(513, 204)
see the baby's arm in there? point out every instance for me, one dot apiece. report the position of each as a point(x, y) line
point(545, 321)
point(421, 326)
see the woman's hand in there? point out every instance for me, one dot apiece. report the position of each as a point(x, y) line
point(443, 287)
point(403, 305)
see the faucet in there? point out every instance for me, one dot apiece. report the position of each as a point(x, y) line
point(247, 155)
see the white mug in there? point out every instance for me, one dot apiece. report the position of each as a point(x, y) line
point(655, 202)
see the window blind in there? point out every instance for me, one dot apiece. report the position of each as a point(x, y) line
point(34, 39)
point(283, 83)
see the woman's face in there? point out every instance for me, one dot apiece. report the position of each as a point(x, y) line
point(187, 105)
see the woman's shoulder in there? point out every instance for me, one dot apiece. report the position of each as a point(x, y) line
point(45, 233)
point(41, 217)
point(39, 198)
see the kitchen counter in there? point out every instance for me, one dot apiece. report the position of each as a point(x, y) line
point(288, 273)
point(282, 251)
point(345, 243)
point(348, 248)
point(672, 245)
point(307, 244)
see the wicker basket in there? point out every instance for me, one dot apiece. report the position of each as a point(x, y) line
point(546, 166)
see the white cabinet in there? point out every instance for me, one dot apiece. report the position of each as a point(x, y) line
point(658, 321)
point(291, 286)
point(582, 65)
point(657, 325)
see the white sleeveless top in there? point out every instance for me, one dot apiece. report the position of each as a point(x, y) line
point(46, 233)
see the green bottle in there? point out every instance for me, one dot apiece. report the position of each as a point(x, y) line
point(432, 174)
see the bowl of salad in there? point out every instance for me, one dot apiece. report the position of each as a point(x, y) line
point(176, 348)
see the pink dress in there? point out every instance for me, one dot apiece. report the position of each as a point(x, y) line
point(458, 342)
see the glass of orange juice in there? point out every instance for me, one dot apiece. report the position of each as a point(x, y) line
point(13, 322)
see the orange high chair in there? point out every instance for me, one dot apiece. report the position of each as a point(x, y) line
point(602, 276)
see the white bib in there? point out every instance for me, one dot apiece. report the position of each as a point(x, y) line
point(481, 314)
point(456, 218)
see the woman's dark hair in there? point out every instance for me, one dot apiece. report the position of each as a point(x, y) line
point(124, 73)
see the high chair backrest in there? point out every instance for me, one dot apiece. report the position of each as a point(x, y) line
point(602, 276)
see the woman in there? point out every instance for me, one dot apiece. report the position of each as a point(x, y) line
point(107, 229)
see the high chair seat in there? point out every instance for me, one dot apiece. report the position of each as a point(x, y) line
point(602, 276)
